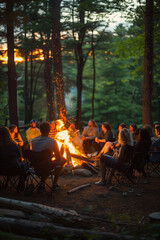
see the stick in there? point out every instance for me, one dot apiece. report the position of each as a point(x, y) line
point(77, 188)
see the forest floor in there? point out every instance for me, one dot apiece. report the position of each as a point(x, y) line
point(124, 203)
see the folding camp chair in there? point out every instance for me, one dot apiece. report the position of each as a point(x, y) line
point(122, 173)
point(42, 168)
point(154, 162)
point(140, 160)
point(124, 170)
point(10, 180)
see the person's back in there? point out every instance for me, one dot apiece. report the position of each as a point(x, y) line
point(9, 156)
point(10, 163)
point(42, 143)
point(141, 150)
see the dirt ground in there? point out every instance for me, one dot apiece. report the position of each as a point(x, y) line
point(124, 203)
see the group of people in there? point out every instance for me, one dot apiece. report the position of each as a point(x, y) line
point(112, 151)
point(11, 163)
point(132, 146)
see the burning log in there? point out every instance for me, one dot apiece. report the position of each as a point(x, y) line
point(68, 155)
point(90, 167)
point(82, 158)
point(77, 188)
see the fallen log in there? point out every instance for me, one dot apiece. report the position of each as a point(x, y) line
point(39, 229)
point(61, 216)
point(82, 158)
point(78, 188)
point(4, 235)
point(12, 213)
point(56, 214)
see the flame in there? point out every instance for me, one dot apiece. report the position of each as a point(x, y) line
point(63, 138)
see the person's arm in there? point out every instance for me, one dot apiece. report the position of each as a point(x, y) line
point(100, 137)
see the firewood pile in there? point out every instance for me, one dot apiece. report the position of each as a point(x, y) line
point(28, 220)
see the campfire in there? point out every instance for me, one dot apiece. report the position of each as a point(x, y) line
point(73, 153)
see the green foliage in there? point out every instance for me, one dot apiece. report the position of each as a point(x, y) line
point(119, 61)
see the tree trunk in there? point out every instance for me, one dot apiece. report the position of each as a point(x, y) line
point(94, 75)
point(80, 64)
point(79, 91)
point(148, 63)
point(57, 60)
point(12, 83)
point(49, 86)
point(31, 88)
point(158, 94)
point(26, 97)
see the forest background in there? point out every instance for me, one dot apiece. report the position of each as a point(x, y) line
point(102, 68)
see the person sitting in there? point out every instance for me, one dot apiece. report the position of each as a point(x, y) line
point(133, 129)
point(15, 135)
point(44, 142)
point(53, 130)
point(149, 128)
point(104, 136)
point(88, 135)
point(32, 132)
point(123, 156)
point(120, 127)
point(141, 149)
point(156, 145)
point(110, 147)
point(10, 161)
point(75, 137)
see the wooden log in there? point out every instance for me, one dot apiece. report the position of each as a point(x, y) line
point(36, 229)
point(12, 213)
point(36, 207)
point(78, 188)
point(56, 214)
point(90, 167)
point(4, 235)
point(82, 158)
